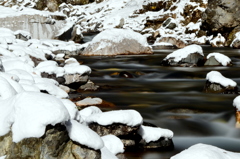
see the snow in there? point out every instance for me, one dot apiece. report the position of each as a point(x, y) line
point(50, 67)
point(84, 135)
point(236, 39)
point(75, 68)
point(113, 144)
point(128, 117)
point(29, 113)
point(150, 134)
point(116, 36)
point(203, 151)
point(178, 55)
point(3, 157)
point(218, 39)
point(89, 101)
point(223, 59)
point(71, 107)
point(236, 103)
point(86, 112)
point(106, 154)
point(217, 77)
point(7, 89)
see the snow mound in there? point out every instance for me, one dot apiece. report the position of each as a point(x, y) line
point(203, 151)
point(128, 117)
point(236, 103)
point(29, 113)
point(118, 41)
point(217, 77)
point(106, 154)
point(84, 135)
point(153, 133)
point(86, 112)
point(223, 59)
point(178, 55)
point(113, 144)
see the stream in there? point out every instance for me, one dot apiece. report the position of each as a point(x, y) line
point(170, 97)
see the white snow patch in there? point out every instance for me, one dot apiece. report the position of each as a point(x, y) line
point(71, 107)
point(29, 113)
point(84, 135)
point(3, 157)
point(178, 55)
point(236, 103)
point(153, 133)
point(128, 117)
point(203, 151)
point(86, 112)
point(75, 68)
point(217, 77)
point(221, 58)
point(106, 154)
point(113, 144)
point(219, 40)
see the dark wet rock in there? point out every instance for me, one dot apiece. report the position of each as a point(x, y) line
point(160, 144)
point(172, 40)
point(218, 88)
point(114, 129)
point(125, 74)
point(191, 60)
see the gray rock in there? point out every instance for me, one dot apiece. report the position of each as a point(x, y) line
point(217, 88)
point(75, 78)
point(173, 40)
point(212, 62)
point(89, 86)
point(169, 23)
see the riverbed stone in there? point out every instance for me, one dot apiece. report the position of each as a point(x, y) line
point(218, 88)
point(160, 144)
point(172, 40)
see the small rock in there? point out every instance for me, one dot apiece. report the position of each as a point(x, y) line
point(218, 41)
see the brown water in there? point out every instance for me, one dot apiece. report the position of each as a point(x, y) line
point(170, 97)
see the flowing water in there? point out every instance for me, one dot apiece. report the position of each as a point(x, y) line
point(170, 97)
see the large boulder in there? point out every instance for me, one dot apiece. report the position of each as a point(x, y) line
point(188, 56)
point(116, 42)
point(221, 16)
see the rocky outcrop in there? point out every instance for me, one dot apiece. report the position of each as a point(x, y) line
point(175, 41)
point(221, 16)
point(55, 144)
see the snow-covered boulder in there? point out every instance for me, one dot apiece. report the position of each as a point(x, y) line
point(116, 42)
point(218, 59)
point(218, 41)
point(156, 138)
point(113, 144)
point(203, 151)
point(236, 41)
point(217, 83)
point(191, 55)
point(119, 122)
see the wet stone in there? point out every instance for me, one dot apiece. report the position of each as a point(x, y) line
point(217, 88)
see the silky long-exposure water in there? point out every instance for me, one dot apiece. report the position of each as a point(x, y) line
point(170, 97)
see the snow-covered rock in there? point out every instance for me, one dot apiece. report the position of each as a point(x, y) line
point(28, 113)
point(174, 40)
point(216, 59)
point(89, 101)
point(218, 41)
point(118, 41)
point(191, 55)
point(203, 151)
point(84, 135)
point(217, 83)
